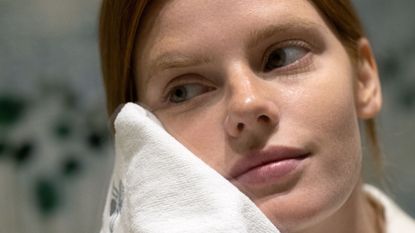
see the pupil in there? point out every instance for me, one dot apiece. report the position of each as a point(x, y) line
point(180, 93)
point(276, 59)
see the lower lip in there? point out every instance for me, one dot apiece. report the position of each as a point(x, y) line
point(270, 172)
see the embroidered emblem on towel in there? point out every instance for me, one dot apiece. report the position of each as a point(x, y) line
point(116, 204)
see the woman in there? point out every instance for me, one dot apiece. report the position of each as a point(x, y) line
point(275, 91)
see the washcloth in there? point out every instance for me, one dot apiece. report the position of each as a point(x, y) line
point(159, 186)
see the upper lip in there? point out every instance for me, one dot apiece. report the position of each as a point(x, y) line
point(259, 158)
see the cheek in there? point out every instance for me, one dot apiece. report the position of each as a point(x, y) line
point(332, 122)
point(201, 132)
point(325, 104)
point(322, 114)
point(331, 111)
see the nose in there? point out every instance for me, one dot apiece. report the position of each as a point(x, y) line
point(250, 111)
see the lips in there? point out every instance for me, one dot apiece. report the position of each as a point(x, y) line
point(263, 165)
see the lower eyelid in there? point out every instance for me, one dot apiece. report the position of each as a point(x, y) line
point(286, 44)
point(189, 105)
point(179, 81)
point(167, 95)
point(303, 64)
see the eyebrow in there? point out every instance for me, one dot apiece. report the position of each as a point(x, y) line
point(172, 59)
point(296, 24)
point(178, 59)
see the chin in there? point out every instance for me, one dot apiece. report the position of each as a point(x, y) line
point(306, 207)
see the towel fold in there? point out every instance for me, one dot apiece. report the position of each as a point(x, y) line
point(159, 186)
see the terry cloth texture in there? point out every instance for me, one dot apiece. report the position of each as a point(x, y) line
point(159, 186)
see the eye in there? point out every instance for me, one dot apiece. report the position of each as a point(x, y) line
point(284, 56)
point(186, 92)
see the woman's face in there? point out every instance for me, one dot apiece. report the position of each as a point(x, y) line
point(264, 93)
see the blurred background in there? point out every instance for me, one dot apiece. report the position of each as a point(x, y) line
point(56, 151)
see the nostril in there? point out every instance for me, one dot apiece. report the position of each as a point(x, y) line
point(240, 126)
point(263, 118)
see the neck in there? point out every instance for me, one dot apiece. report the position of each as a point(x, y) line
point(355, 216)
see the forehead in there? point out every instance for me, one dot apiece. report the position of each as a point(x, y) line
point(200, 24)
point(171, 15)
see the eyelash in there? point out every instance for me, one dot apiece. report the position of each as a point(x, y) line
point(179, 82)
point(291, 67)
point(287, 44)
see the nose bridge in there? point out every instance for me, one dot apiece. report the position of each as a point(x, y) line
point(242, 89)
point(247, 93)
point(249, 107)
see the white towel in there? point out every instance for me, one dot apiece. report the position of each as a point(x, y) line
point(159, 186)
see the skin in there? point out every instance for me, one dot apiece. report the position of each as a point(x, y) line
point(313, 100)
